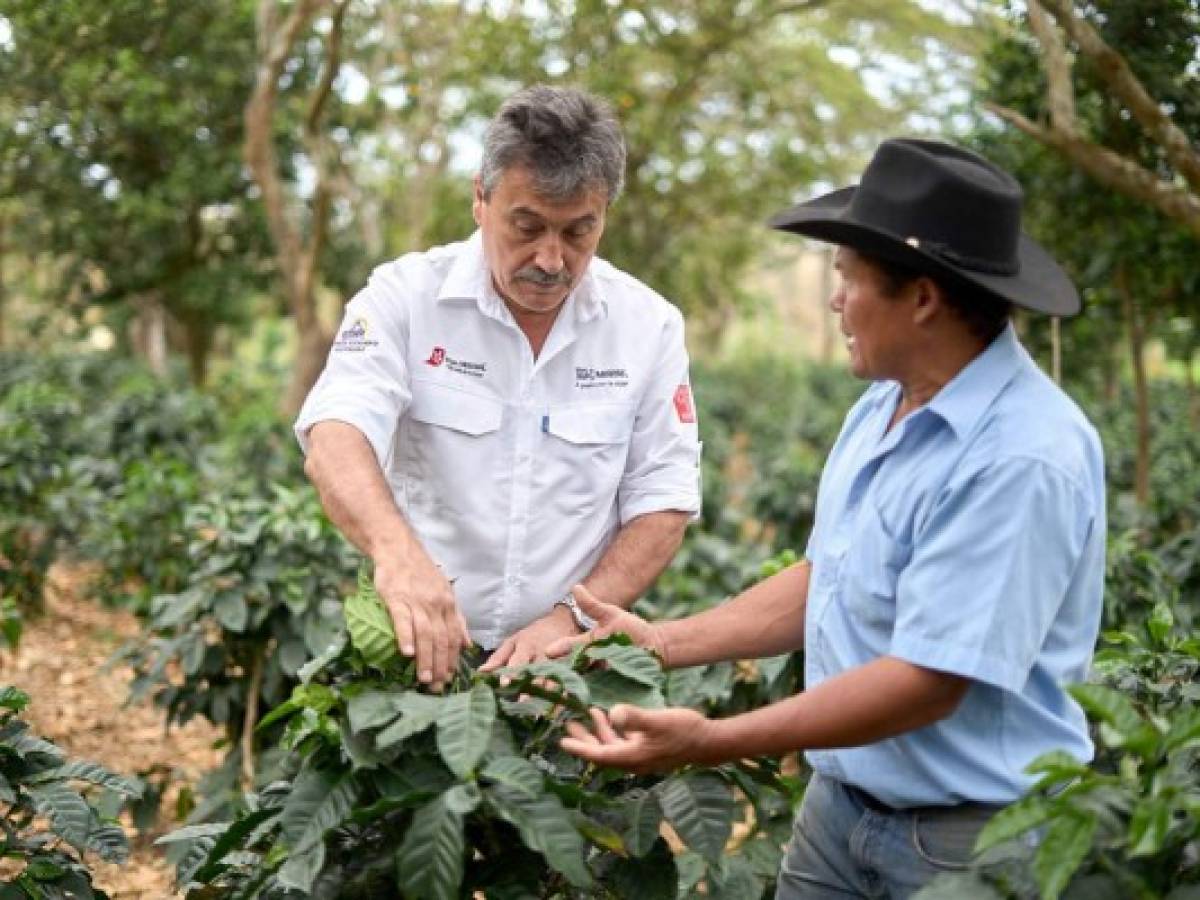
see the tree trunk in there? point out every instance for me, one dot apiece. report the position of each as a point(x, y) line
point(148, 332)
point(297, 247)
point(1141, 391)
point(198, 339)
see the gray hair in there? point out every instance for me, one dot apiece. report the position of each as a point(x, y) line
point(569, 140)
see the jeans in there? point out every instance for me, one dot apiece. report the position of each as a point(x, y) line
point(845, 844)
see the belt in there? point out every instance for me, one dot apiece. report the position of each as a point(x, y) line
point(873, 803)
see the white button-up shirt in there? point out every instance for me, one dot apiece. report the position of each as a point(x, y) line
point(515, 473)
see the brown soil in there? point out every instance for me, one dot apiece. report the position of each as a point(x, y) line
point(78, 704)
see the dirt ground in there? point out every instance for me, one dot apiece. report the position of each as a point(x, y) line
point(78, 704)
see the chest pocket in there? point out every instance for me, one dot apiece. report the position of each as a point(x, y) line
point(585, 451)
point(873, 565)
point(435, 404)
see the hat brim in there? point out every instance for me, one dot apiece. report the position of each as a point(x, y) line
point(1040, 284)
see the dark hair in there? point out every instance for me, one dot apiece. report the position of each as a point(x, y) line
point(984, 314)
point(570, 141)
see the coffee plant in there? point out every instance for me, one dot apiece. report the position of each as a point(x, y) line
point(54, 810)
point(398, 792)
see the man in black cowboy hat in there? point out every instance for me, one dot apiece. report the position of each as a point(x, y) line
point(953, 580)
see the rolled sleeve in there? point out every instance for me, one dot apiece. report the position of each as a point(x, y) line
point(662, 470)
point(365, 382)
point(989, 570)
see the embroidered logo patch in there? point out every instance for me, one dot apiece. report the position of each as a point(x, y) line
point(684, 408)
point(436, 357)
point(354, 337)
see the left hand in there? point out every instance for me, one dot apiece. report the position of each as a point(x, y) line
point(640, 740)
point(529, 644)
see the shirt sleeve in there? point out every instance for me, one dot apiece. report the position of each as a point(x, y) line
point(662, 471)
point(990, 570)
point(365, 382)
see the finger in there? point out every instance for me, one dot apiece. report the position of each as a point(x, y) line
point(402, 622)
point(441, 649)
point(563, 646)
point(522, 655)
point(580, 733)
point(454, 645)
point(626, 718)
point(464, 631)
point(499, 656)
point(601, 726)
point(424, 641)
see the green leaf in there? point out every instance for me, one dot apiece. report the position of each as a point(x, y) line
point(635, 663)
point(231, 611)
point(1067, 843)
point(544, 826)
point(608, 688)
point(518, 775)
point(110, 843)
point(567, 678)
point(1184, 731)
point(319, 801)
point(371, 709)
point(429, 863)
point(700, 809)
point(1148, 826)
point(1121, 726)
point(301, 869)
point(42, 869)
point(417, 712)
point(231, 838)
point(464, 727)
point(69, 815)
point(324, 658)
point(370, 625)
point(13, 698)
point(92, 773)
point(653, 876)
point(643, 817)
point(194, 832)
point(1012, 821)
point(1160, 623)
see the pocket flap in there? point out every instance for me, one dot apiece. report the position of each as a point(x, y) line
point(435, 404)
point(591, 424)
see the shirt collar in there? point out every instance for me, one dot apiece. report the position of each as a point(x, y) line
point(962, 401)
point(471, 279)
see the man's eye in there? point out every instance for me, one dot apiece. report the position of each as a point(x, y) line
point(582, 230)
point(529, 229)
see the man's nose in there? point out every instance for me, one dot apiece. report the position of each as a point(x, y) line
point(550, 253)
point(837, 299)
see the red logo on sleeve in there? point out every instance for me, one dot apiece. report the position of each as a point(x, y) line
point(683, 404)
point(436, 357)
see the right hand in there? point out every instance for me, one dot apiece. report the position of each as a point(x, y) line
point(610, 619)
point(428, 623)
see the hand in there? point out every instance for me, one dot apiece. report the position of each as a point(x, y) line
point(529, 644)
point(428, 623)
point(610, 619)
point(641, 740)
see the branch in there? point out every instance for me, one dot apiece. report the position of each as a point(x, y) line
point(275, 46)
point(1057, 66)
point(251, 719)
point(1112, 169)
point(1120, 78)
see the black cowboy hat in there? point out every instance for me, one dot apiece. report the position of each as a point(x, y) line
point(944, 212)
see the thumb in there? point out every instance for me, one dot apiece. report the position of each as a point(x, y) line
point(592, 605)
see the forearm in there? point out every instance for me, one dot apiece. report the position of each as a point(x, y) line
point(637, 555)
point(765, 620)
point(867, 704)
point(354, 492)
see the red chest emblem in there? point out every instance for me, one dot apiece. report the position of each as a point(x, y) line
point(683, 404)
point(436, 357)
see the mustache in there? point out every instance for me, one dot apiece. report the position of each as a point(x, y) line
point(542, 277)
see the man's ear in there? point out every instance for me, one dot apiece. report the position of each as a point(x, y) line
point(928, 299)
point(477, 205)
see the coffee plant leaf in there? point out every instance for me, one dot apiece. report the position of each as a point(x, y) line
point(464, 727)
point(1148, 826)
point(231, 838)
point(320, 800)
point(609, 687)
point(544, 826)
point(652, 876)
point(518, 775)
point(69, 814)
point(633, 663)
point(92, 773)
point(644, 817)
point(300, 870)
point(700, 809)
point(110, 843)
point(1013, 821)
point(374, 709)
point(429, 863)
point(417, 713)
point(370, 625)
point(1067, 843)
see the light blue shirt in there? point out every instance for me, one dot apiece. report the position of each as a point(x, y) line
point(968, 539)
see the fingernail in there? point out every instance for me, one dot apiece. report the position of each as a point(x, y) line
point(426, 675)
point(407, 650)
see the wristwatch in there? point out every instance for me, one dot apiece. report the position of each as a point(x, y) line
point(582, 619)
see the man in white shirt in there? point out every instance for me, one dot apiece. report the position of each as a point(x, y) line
point(505, 417)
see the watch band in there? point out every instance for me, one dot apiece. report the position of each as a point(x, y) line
point(582, 619)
